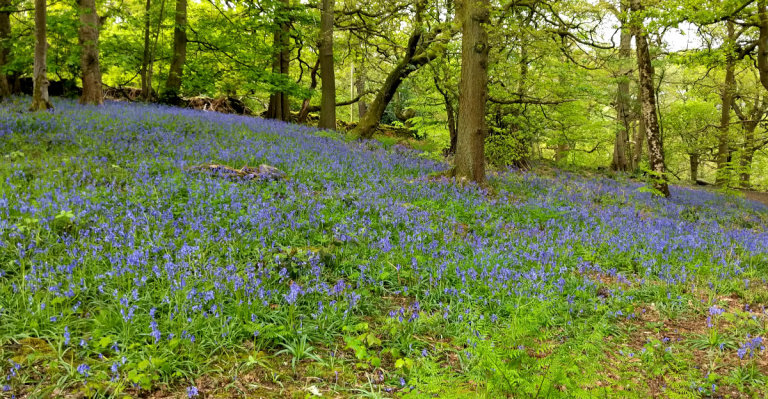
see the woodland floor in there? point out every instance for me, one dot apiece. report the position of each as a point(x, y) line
point(355, 270)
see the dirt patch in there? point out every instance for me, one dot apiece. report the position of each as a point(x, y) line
point(757, 196)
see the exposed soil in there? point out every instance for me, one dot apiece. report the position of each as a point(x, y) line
point(758, 196)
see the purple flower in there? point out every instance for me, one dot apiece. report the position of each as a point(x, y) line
point(192, 392)
point(716, 311)
point(751, 347)
point(84, 369)
point(293, 293)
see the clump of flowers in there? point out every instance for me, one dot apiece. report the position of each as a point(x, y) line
point(750, 348)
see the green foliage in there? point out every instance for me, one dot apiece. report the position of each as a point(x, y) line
point(505, 150)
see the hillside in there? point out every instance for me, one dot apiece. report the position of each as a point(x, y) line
point(124, 270)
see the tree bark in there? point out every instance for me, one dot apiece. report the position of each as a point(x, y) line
point(621, 152)
point(146, 77)
point(694, 160)
point(648, 101)
point(762, 43)
point(745, 163)
point(726, 94)
point(362, 107)
point(473, 90)
point(179, 58)
point(749, 123)
point(327, 73)
point(5, 52)
point(639, 140)
point(40, 99)
point(89, 57)
point(279, 106)
point(450, 110)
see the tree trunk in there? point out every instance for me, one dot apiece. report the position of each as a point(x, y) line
point(452, 126)
point(179, 58)
point(279, 107)
point(40, 99)
point(5, 38)
point(639, 140)
point(153, 52)
point(362, 107)
point(749, 148)
point(304, 112)
point(621, 151)
point(561, 151)
point(327, 73)
point(412, 61)
point(146, 77)
point(448, 99)
point(694, 159)
point(89, 57)
point(648, 101)
point(762, 42)
point(723, 144)
point(473, 90)
point(746, 167)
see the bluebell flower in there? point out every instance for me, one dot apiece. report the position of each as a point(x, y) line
point(83, 369)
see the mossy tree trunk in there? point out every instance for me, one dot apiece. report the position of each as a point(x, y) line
point(648, 102)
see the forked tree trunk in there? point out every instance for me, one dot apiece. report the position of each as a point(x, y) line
point(473, 90)
point(726, 94)
point(327, 73)
point(146, 77)
point(415, 57)
point(370, 120)
point(279, 107)
point(179, 57)
point(89, 57)
point(622, 156)
point(648, 101)
point(5, 37)
point(40, 99)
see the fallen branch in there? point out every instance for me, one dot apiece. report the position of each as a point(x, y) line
point(262, 172)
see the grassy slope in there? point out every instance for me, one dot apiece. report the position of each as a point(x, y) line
point(123, 273)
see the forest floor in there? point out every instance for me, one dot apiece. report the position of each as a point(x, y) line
point(130, 266)
point(758, 196)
